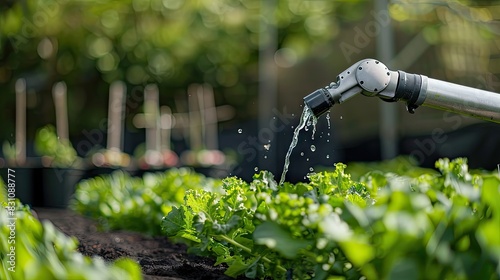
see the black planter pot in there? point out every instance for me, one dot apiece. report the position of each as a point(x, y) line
point(25, 179)
point(212, 171)
point(58, 186)
point(98, 171)
point(141, 172)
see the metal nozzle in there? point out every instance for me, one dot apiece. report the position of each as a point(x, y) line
point(319, 101)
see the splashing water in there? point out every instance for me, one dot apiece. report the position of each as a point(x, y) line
point(314, 122)
point(328, 119)
point(304, 119)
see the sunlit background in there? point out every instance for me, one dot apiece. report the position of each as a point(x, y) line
point(259, 59)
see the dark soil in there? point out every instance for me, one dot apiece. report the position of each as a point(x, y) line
point(157, 256)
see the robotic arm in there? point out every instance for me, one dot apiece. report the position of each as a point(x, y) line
point(372, 78)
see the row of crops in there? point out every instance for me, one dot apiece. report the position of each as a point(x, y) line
point(33, 250)
point(386, 221)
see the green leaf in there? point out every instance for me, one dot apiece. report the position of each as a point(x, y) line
point(129, 266)
point(357, 251)
point(225, 228)
point(179, 222)
point(238, 266)
point(275, 237)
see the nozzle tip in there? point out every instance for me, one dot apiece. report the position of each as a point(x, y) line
point(319, 101)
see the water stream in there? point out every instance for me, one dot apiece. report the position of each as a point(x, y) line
point(307, 118)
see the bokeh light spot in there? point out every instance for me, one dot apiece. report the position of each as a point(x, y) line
point(160, 63)
point(110, 19)
point(45, 48)
point(99, 47)
point(136, 74)
point(108, 62)
point(285, 57)
point(227, 75)
point(172, 4)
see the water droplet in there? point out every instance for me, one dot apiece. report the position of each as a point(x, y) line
point(311, 169)
point(240, 131)
point(293, 115)
point(256, 169)
point(327, 156)
point(265, 156)
point(267, 146)
point(313, 148)
point(301, 154)
point(307, 159)
point(340, 117)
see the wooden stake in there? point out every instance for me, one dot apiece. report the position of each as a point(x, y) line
point(60, 102)
point(151, 105)
point(20, 122)
point(166, 124)
point(116, 112)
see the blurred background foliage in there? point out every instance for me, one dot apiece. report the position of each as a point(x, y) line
point(174, 43)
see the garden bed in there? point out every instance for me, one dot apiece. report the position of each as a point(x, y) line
point(157, 256)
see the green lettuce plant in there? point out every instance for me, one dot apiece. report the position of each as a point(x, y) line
point(39, 251)
point(58, 152)
point(384, 226)
point(120, 201)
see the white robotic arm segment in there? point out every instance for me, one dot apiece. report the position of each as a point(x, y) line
point(372, 78)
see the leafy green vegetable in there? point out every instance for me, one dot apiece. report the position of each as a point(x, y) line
point(33, 250)
point(402, 165)
point(401, 222)
point(120, 201)
point(412, 225)
point(60, 152)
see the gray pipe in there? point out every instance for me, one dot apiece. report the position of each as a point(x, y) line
point(460, 99)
